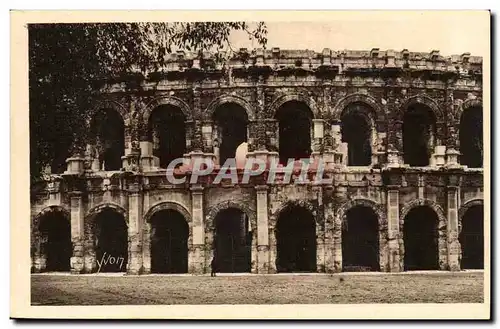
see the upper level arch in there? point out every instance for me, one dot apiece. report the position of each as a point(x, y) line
point(468, 104)
point(421, 99)
point(228, 98)
point(342, 105)
point(105, 104)
point(427, 203)
point(166, 100)
point(281, 100)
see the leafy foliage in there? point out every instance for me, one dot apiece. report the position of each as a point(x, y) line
point(66, 61)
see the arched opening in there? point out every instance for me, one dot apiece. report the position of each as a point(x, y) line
point(421, 239)
point(55, 234)
point(419, 133)
point(233, 241)
point(169, 242)
point(472, 238)
point(109, 132)
point(360, 240)
point(295, 121)
point(471, 137)
point(296, 240)
point(167, 132)
point(111, 241)
point(356, 130)
point(230, 129)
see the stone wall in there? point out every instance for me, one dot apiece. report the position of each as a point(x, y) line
point(387, 82)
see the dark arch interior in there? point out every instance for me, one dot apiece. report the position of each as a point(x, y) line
point(360, 240)
point(295, 119)
point(167, 131)
point(233, 241)
point(472, 238)
point(419, 131)
point(169, 242)
point(109, 132)
point(471, 137)
point(296, 240)
point(111, 241)
point(421, 239)
point(55, 230)
point(231, 120)
point(356, 132)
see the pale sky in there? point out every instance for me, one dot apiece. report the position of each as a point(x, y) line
point(450, 33)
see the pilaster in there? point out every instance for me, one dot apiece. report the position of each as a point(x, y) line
point(393, 233)
point(77, 232)
point(135, 218)
point(454, 250)
point(263, 259)
point(198, 249)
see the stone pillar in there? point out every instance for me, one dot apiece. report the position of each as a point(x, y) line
point(132, 161)
point(146, 137)
point(438, 157)
point(90, 261)
point(393, 228)
point(340, 149)
point(395, 148)
point(198, 249)
point(454, 249)
point(202, 143)
point(207, 135)
point(272, 139)
point(317, 138)
point(39, 258)
point(452, 147)
point(320, 230)
point(340, 194)
point(259, 141)
point(263, 259)
point(329, 212)
point(135, 224)
point(273, 246)
point(189, 124)
point(75, 164)
point(395, 128)
point(77, 232)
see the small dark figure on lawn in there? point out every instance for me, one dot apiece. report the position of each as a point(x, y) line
point(213, 266)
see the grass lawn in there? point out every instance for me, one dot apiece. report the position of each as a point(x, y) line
point(442, 287)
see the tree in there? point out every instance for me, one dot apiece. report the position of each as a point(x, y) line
point(68, 61)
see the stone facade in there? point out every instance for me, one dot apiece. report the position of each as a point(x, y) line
point(385, 83)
